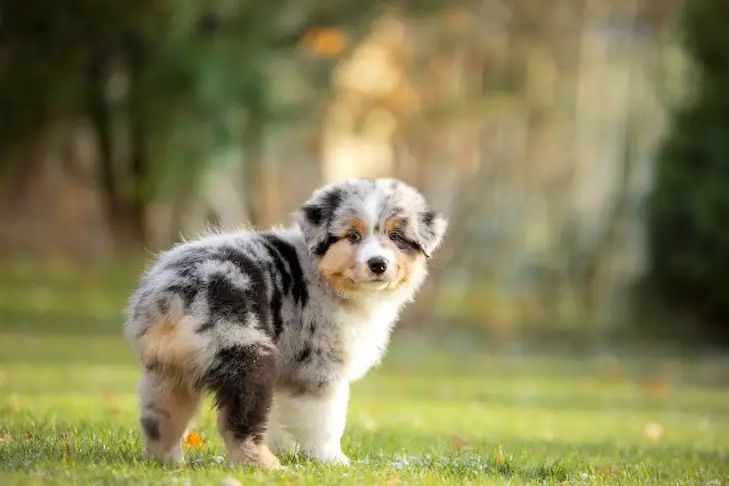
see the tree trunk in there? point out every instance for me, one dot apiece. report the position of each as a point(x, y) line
point(100, 113)
point(135, 204)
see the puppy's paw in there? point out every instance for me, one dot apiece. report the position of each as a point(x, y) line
point(254, 455)
point(331, 457)
point(266, 458)
point(168, 456)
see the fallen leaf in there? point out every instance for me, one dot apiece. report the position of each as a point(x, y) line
point(193, 441)
point(652, 431)
point(394, 479)
point(460, 443)
point(500, 459)
point(605, 470)
point(4, 440)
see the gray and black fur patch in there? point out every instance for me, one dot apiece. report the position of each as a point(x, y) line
point(243, 379)
point(150, 426)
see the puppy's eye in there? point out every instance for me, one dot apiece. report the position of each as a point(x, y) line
point(354, 236)
point(397, 237)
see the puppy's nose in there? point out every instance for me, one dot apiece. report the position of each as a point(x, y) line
point(378, 265)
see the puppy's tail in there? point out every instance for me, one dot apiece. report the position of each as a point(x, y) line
point(151, 314)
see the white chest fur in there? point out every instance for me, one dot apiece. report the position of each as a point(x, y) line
point(365, 336)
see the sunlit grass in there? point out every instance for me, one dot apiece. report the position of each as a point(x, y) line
point(68, 409)
point(69, 417)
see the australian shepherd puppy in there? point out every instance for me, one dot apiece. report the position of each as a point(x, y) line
point(276, 325)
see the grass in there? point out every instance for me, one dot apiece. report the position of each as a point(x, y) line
point(68, 409)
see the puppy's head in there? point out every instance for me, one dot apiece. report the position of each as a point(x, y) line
point(370, 236)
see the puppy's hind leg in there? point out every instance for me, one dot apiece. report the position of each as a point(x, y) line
point(166, 409)
point(243, 379)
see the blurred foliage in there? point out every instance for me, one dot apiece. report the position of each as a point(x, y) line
point(166, 86)
point(192, 70)
point(196, 69)
point(689, 205)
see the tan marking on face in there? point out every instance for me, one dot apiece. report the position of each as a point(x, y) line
point(392, 224)
point(164, 345)
point(359, 226)
point(406, 264)
point(337, 266)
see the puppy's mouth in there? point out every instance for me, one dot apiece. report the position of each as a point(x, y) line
point(374, 284)
point(371, 284)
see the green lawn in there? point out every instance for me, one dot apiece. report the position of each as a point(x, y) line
point(68, 410)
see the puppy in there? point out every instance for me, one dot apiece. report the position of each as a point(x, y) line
point(276, 325)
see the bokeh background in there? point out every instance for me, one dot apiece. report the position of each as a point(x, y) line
point(576, 320)
point(580, 149)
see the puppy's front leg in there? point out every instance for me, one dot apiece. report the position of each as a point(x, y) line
point(317, 423)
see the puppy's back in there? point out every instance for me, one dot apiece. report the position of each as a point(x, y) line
point(197, 299)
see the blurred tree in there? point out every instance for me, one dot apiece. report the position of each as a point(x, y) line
point(165, 84)
point(689, 205)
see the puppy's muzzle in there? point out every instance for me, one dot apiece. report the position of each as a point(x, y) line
point(377, 265)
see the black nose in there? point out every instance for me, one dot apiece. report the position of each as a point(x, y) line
point(378, 265)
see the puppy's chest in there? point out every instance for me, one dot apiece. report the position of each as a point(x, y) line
point(364, 339)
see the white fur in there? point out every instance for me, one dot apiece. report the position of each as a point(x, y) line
point(372, 247)
point(314, 425)
point(311, 425)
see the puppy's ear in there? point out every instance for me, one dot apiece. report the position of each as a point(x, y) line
point(315, 217)
point(430, 229)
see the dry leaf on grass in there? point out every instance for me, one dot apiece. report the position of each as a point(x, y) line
point(460, 443)
point(4, 440)
point(393, 480)
point(193, 441)
point(605, 470)
point(500, 458)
